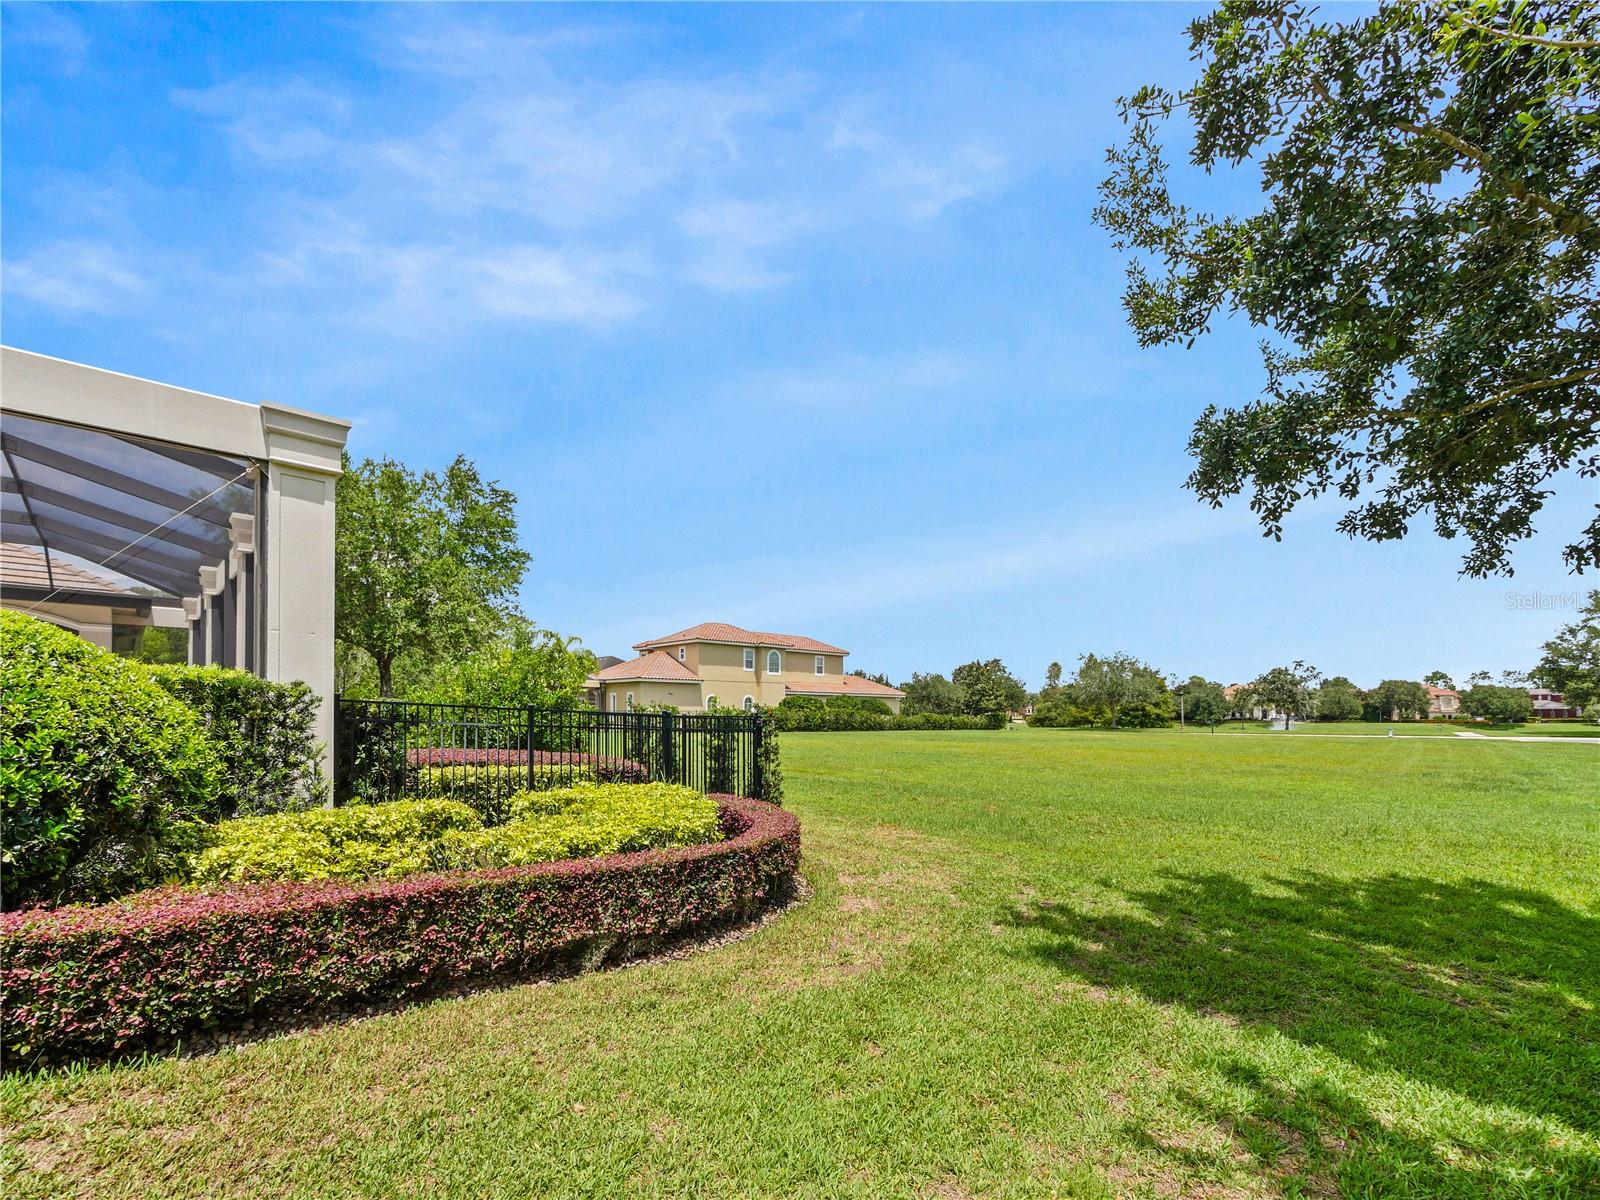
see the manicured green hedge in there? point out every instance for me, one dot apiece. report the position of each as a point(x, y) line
point(827, 719)
point(405, 837)
point(102, 772)
point(265, 733)
point(90, 981)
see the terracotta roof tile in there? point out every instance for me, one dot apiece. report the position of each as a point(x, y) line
point(718, 631)
point(850, 685)
point(24, 566)
point(657, 665)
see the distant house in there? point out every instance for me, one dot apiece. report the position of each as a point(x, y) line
point(1443, 702)
point(1548, 704)
point(591, 685)
point(723, 665)
point(1236, 695)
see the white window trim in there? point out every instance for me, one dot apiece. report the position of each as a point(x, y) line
point(630, 701)
point(611, 699)
point(711, 701)
point(683, 654)
point(774, 670)
point(822, 665)
point(749, 704)
point(748, 658)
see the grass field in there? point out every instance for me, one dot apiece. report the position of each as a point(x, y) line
point(1036, 963)
point(1411, 729)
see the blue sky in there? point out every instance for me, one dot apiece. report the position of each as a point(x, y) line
point(790, 317)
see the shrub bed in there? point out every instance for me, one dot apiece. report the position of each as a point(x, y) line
point(827, 720)
point(405, 837)
point(130, 975)
point(265, 734)
point(359, 842)
point(584, 821)
point(487, 779)
point(606, 769)
point(102, 773)
point(489, 789)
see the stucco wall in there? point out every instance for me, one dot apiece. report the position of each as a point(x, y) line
point(683, 696)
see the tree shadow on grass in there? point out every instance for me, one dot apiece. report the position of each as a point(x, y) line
point(1315, 1139)
point(1486, 991)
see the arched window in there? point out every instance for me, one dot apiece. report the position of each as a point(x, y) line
point(711, 702)
point(749, 704)
point(774, 663)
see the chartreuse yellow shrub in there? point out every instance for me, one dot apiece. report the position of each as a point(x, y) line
point(362, 841)
point(586, 820)
point(488, 788)
point(388, 841)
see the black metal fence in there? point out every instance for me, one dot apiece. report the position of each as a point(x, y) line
point(389, 749)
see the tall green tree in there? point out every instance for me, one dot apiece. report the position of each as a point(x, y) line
point(1571, 660)
point(1439, 680)
point(930, 694)
point(1289, 690)
point(521, 665)
point(427, 564)
point(1115, 683)
point(988, 687)
point(1202, 701)
point(1400, 699)
point(1424, 259)
point(1338, 700)
point(1502, 705)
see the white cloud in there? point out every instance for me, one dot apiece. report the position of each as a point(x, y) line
point(733, 231)
point(519, 178)
point(897, 575)
point(862, 384)
point(549, 285)
point(453, 283)
point(47, 27)
point(285, 122)
point(76, 276)
point(930, 188)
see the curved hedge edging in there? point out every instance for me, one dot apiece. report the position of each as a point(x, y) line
point(88, 981)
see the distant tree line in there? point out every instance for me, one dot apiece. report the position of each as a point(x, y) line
point(1120, 691)
point(973, 689)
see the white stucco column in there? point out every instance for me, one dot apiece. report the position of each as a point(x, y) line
point(191, 615)
point(241, 547)
point(212, 580)
point(296, 553)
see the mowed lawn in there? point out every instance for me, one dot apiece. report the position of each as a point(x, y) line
point(1037, 963)
point(1549, 729)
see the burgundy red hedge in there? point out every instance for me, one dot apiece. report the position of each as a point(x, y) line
point(146, 970)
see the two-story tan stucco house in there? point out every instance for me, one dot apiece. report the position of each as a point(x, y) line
point(718, 664)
